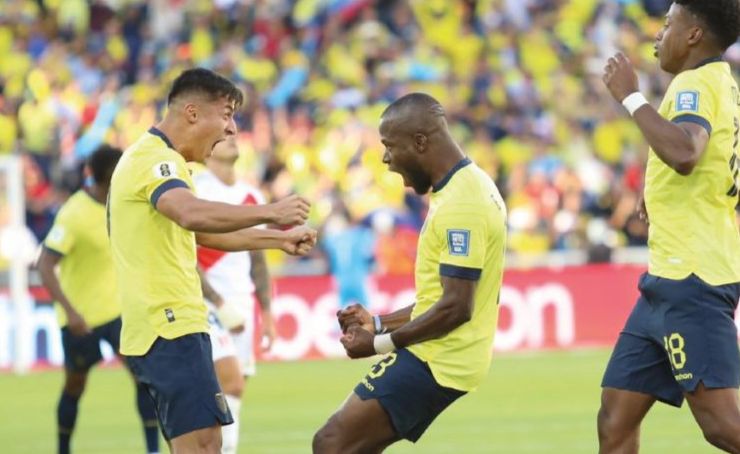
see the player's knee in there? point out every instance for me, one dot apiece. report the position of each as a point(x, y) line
point(607, 425)
point(326, 440)
point(234, 386)
point(74, 384)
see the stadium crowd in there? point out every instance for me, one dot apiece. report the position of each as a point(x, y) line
point(520, 80)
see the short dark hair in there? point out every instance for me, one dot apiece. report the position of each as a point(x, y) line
point(721, 16)
point(421, 101)
point(201, 80)
point(102, 163)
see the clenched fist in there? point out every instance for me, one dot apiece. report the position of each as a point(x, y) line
point(292, 210)
point(299, 240)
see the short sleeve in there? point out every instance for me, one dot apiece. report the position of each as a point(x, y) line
point(60, 239)
point(463, 241)
point(163, 176)
point(693, 101)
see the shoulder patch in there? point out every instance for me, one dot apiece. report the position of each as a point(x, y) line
point(458, 242)
point(165, 169)
point(687, 101)
point(56, 234)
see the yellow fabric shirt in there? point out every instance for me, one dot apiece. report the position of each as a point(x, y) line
point(693, 228)
point(154, 257)
point(464, 236)
point(86, 272)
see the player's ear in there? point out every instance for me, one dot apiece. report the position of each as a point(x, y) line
point(420, 142)
point(191, 112)
point(695, 35)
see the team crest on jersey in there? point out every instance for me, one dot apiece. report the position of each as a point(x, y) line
point(458, 242)
point(687, 101)
point(165, 169)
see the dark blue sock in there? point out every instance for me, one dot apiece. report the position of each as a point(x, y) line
point(66, 417)
point(148, 417)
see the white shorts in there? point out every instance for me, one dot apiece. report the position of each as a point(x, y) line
point(241, 345)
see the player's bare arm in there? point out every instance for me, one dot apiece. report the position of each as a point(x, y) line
point(296, 241)
point(263, 290)
point(46, 265)
point(454, 308)
point(198, 215)
point(355, 314)
point(680, 146)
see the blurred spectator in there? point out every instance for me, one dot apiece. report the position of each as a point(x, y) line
point(520, 79)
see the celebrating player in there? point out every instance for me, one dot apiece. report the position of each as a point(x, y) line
point(231, 281)
point(85, 292)
point(440, 347)
point(154, 221)
point(680, 340)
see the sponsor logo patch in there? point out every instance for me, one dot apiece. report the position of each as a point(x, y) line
point(165, 170)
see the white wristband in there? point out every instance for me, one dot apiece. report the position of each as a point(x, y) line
point(633, 102)
point(383, 344)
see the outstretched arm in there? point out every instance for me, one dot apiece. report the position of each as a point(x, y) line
point(189, 212)
point(296, 241)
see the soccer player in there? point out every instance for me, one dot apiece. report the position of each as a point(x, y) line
point(680, 341)
point(87, 306)
point(439, 348)
point(233, 278)
point(155, 221)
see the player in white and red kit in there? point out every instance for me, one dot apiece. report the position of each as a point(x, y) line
point(232, 281)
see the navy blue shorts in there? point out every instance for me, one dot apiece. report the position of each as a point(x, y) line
point(407, 391)
point(680, 333)
point(179, 376)
point(83, 352)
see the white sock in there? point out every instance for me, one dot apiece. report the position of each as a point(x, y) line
point(230, 433)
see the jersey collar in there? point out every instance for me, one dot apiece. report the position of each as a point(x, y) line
point(156, 132)
point(708, 61)
point(441, 184)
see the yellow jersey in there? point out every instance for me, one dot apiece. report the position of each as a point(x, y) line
point(464, 236)
point(693, 228)
point(154, 257)
point(86, 272)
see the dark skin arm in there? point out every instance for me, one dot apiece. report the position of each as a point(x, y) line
point(46, 264)
point(197, 215)
point(679, 146)
point(355, 314)
point(263, 289)
point(453, 309)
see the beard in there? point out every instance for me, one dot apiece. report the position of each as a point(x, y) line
point(419, 181)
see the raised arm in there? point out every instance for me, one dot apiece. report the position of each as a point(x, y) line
point(678, 142)
point(181, 206)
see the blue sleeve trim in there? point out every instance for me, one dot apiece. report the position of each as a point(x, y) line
point(53, 251)
point(164, 187)
point(696, 119)
point(462, 272)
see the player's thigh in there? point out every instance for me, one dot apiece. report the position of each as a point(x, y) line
point(201, 441)
point(639, 362)
point(244, 345)
point(111, 333)
point(715, 409)
point(359, 425)
point(700, 336)
point(622, 411)
point(180, 376)
point(405, 388)
point(80, 352)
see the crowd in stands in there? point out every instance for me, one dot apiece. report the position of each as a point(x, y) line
point(520, 81)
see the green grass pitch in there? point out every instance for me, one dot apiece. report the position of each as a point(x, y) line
point(530, 403)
